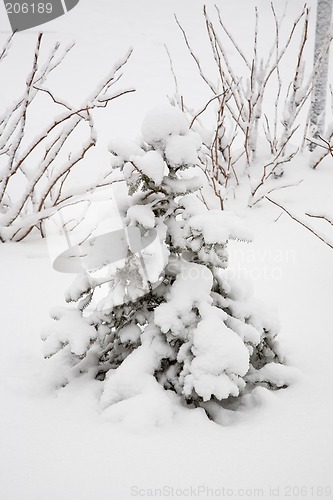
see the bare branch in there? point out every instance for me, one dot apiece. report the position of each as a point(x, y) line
point(231, 38)
point(196, 60)
point(205, 107)
point(322, 217)
point(300, 222)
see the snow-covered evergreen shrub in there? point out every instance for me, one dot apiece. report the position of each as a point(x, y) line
point(170, 316)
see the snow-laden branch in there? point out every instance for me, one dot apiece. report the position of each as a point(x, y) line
point(243, 103)
point(46, 159)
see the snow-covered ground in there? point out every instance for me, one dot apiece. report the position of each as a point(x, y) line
point(59, 444)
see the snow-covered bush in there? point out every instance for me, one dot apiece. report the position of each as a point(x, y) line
point(261, 120)
point(37, 160)
point(169, 316)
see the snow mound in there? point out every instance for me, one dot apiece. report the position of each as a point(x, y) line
point(163, 122)
point(132, 395)
point(182, 150)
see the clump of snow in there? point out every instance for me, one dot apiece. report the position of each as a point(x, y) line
point(130, 333)
point(141, 214)
point(125, 148)
point(128, 169)
point(151, 164)
point(70, 329)
point(163, 122)
point(221, 359)
point(217, 226)
point(191, 288)
point(277, 374)
point(183, 186)
point(246, 332)
point(181, 150)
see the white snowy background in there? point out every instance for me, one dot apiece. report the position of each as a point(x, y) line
point(60, 445)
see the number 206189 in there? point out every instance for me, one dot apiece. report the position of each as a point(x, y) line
point(29, 8)
point(308, 491)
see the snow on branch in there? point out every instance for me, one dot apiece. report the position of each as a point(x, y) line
point(41, 164)
point(252, 140)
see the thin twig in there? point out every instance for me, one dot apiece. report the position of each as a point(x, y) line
point(300, 222)
point(196, 60)
point(323, 217)
point(205, 107)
